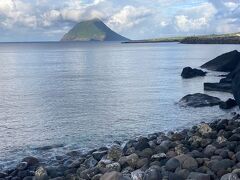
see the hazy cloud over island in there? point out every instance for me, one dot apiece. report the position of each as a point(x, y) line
point(39, 20)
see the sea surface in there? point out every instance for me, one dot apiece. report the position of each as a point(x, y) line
point(77, 96)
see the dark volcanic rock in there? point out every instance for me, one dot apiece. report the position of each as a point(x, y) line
point(230, 103)
point(199, 100)
point(31, 161)
point(226, 62)
point(236, 87)
point(222, 87)
point(172, 164)
point(199, 176)
point(189, 72)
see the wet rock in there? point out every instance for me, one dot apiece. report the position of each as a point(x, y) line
point(189, 72)
point(90, 162)
point(114, 167)
point(41, 174)
point(230, 176)
point(142, 144)
point(204, 129)
point(172, 164)
point(99, 154)
point(187, 162)
point(146, 153)
point(22, 166)
point(217, 166)
point(199, 100)
point(209, 150)
point(153, 173)
point(132, 160)
point(114, 153)
point(31, 161)
point(230, 103)
point(89, 173)
point(158, 157)
point(142, 162)
point(113, 176)
point(198, 176)
point(183, 173)
point(137, 175)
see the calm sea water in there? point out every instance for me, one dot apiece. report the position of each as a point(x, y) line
point(84, 95)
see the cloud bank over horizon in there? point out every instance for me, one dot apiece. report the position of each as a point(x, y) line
point(42, 20)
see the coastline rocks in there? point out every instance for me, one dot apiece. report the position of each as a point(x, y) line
point(189, 72)
point(236, 87)
point(205, 151)
point(226, 62)
point(230, 103)
point(222, 87)
point(199, 100)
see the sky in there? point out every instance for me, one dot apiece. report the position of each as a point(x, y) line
point(49, 20)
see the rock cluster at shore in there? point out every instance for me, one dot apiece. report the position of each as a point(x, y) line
point(204, 152)
point(228, 62)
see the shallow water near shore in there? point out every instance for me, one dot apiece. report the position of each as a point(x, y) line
point(85, 95)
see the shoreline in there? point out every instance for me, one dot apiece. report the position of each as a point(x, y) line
point(207, 150)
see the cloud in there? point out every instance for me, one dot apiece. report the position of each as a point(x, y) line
point(16, 12)
point(128, 17)
point(135, 19)
point(195, 18)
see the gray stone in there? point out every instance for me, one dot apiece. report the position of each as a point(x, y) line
point(114, 153)
point(230, 176)
point(198, 176)
point(41, 174)
point(187, 162)
point(172, 164)
point(153, 173)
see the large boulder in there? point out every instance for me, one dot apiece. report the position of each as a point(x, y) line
point(199, 100)
point(189, 72)
point(236, 87)
point(226, 62)
point(230, 103)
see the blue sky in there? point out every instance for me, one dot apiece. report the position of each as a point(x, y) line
point(42, 20)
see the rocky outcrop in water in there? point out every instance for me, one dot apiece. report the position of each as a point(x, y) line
point(226, 62)
point(222, 87)
point(230, 103)
point(189, 72)
point(199, 100)
point(204, 152)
